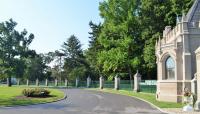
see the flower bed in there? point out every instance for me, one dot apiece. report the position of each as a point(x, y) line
point(36, 92)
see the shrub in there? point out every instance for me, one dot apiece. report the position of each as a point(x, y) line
point(36, 92)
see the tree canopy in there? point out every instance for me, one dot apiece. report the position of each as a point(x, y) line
point(125, 41)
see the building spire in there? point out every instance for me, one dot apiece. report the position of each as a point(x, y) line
point(193, 9)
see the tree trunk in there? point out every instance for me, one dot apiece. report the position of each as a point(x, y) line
point(9, 84)
point(148, 75)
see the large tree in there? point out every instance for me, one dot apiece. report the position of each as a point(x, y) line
point(154, 16)
point(119, 37)
point(129, 32)
point(13, 46)
point(94, 48)
point(74, 65)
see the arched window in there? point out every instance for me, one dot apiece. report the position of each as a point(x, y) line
point(170, 68)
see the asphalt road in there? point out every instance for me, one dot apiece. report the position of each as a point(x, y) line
point(87, 102)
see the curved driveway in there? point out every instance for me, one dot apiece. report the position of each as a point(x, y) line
point(87, 102)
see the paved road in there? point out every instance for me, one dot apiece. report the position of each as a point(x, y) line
point(87, 102)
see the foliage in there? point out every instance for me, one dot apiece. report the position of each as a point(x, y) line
point(36, 92)
point(74, 65)
point(125, 41)
point(118, 37)
point(94, 48)
point(13, 47)
point(35, 68)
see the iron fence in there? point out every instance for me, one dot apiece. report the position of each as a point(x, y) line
point(148, 86)
point(126, 85)
point(108, 84)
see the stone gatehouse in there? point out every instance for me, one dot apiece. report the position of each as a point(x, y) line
point(176, 58)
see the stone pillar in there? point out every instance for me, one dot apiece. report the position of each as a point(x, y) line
point(46, 82)
point(27, 82)
point(88, 81)
point(137, 80)
point(117, 82)
point(37, 82)
point(66, 82)
point(18, 81)
point(198, 78)
point(56, 82)
point(101, 82)
point(77, 81)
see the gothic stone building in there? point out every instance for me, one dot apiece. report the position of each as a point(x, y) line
point(176, 59)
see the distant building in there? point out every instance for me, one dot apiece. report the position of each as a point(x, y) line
point(176, 59)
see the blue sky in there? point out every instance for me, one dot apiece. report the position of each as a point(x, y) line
point(52, 21)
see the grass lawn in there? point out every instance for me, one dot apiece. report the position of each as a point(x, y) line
point(145, 96)
point(10, 96)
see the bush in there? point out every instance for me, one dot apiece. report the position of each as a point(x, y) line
point(36, 92)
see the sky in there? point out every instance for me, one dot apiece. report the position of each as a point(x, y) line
point(52, 21)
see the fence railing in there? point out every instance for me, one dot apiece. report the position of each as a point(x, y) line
point(148, 86)
point(126, 84)
point(109, 84)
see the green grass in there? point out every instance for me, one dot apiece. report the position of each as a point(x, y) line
point(8, 97)
point(145, 96)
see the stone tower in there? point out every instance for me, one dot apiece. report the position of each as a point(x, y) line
point(176, 59)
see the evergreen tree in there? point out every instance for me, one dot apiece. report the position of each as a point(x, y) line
point(74, 65)
point(94, 48)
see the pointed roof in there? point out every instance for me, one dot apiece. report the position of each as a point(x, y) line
point(194, 12)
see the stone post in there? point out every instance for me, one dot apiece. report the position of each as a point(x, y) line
point(37, 82)
point(117, 82)
point(101, 82)
point(137, 80)
point(66, 82)
point(46, 82)
point(77, 82)
point(88, 81)
point(56, 82)
point(18, 81)
point(27, 82)
point(198, 78)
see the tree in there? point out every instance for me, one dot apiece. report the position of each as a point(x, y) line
point(36, 67)
point(128, 34)
point(13, 47)
point(92, 51)
point(74, 59)
point(119, 37)
point(154, 16)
